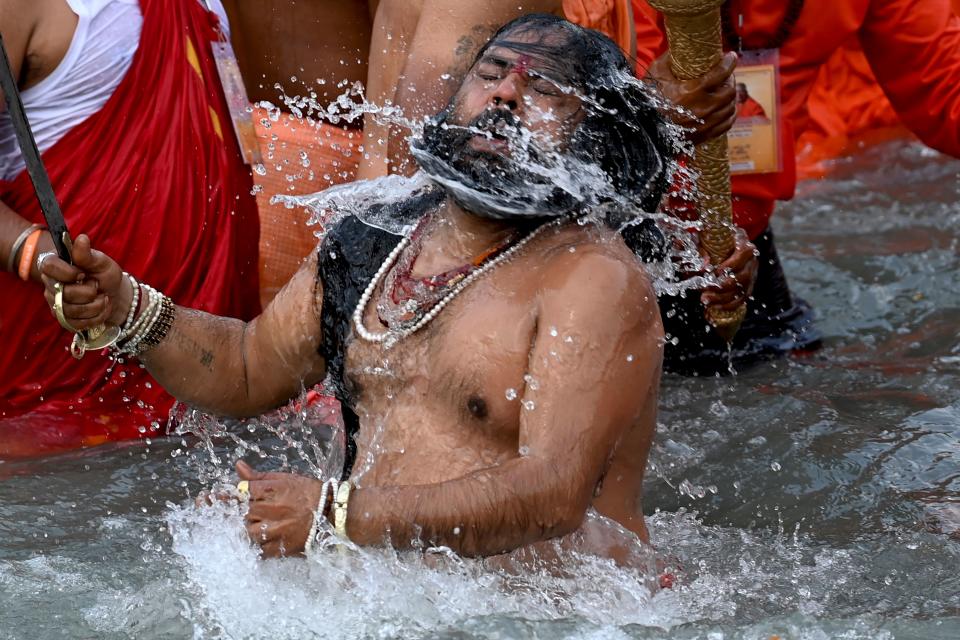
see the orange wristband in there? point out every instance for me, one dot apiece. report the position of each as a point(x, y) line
point(28, 253)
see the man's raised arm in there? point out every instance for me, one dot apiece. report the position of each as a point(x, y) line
point(222, 365)
point(595, 357)
point(419, 53)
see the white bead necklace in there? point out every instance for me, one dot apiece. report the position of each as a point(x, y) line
point(396, 336)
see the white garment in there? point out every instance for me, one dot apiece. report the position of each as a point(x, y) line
point(99, 56)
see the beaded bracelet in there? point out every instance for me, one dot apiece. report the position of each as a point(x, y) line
point(320, 514)
point(153, 324)
point(134, 303)
point(138, 330)
point(161, 326)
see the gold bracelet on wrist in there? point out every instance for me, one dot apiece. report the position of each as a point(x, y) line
point(340, 510)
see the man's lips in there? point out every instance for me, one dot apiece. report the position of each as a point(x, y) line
point(489, 144)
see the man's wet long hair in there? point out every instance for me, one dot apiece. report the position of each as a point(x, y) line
point(623, 131)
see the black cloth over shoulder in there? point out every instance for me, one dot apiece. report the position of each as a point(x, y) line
point(349, 256)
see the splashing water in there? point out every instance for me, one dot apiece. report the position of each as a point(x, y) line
point(580, 179)
point(840, 521)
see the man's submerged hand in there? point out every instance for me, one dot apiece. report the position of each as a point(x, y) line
point(281, 509)
point(709, 103)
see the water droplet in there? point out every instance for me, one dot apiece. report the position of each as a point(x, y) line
point(758, 441)
point(553, 332)
point(529, 405)
point(511, 394)
point(629, 357)
point(456, 531)
point(775, 466)
point(524, 450)
point(259, 169)
point(719, 409)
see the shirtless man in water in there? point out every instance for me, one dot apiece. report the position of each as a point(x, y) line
point(494, 420)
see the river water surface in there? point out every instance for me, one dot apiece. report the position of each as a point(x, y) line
point(814, 497)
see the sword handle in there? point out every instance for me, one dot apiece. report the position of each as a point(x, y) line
point(64, 245)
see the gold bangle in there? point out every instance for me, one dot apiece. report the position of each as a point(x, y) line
point(340, 510)
point(58, 307)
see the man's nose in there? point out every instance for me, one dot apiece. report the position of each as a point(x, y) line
point(508, 94)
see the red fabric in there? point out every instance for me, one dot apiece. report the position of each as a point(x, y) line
point(913, 47)
point(154, 185)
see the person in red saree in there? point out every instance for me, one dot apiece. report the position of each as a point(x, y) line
point(913, 47)
point(153, 172)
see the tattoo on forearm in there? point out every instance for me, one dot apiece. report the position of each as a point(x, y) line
point(189, 345)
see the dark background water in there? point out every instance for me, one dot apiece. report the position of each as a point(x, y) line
point(814, 497)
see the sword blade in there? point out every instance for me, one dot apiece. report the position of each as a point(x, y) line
point(31, 156)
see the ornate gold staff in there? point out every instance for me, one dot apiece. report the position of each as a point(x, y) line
point(696, 45)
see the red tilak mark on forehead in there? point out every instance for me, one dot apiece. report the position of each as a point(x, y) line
point(522, 65)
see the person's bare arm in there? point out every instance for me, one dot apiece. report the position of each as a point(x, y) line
point(221, 365)
point(419, 57)
point(18, 19)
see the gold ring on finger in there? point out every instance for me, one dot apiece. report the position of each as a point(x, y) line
point(58, 307)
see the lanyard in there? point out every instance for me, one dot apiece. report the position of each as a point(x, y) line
point(733, 35)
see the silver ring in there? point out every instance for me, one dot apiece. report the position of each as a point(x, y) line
point(43, 256)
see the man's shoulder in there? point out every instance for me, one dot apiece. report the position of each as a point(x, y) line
point(590, 247)
point(18, 18)
point(584, 263)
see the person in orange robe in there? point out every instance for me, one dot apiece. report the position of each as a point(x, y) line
point(913, 47)
point(848, 110)
point(747, 107)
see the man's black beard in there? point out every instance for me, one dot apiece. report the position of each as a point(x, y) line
point(489, 184)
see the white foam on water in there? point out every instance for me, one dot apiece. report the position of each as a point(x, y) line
point(383, 593)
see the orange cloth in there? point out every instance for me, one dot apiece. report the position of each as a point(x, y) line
point(847, 107)
point(311, 157)
point(750, 108)
point(614, 18)
point(912, 46)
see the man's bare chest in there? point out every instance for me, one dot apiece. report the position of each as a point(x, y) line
point(468, 363)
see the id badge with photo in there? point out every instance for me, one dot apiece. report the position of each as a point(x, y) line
point(237, 102)
point(754, 140)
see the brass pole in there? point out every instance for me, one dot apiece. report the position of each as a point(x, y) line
point(696, 45)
